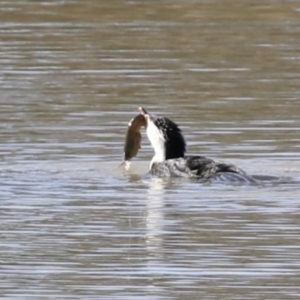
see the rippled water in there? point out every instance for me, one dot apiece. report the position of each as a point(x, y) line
point(73, 225)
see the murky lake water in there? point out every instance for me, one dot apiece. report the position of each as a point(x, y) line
point(75, 226)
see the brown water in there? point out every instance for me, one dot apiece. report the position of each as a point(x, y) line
point(75, 226)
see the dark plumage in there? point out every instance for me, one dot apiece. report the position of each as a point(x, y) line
point(174, 140)
point(170, 161)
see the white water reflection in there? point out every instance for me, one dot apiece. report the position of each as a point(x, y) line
point(155, 219)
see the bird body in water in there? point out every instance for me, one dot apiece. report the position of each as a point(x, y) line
point(169, 158)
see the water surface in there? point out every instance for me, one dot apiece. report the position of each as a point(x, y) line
point(73, 225)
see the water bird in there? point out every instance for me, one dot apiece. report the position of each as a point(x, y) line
point(169, 158)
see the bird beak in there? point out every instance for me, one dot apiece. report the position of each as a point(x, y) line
point(143, 111)
point(146, 116)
